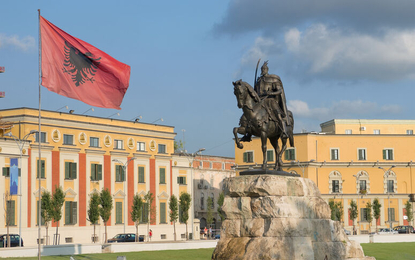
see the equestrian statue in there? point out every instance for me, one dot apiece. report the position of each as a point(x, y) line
point(265, 114)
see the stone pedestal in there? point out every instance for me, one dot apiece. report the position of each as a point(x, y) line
point(280, 217)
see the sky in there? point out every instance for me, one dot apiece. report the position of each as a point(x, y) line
point(336, 59)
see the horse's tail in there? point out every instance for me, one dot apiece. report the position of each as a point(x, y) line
point(291, 132)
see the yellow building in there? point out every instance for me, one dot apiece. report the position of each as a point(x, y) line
point(357, 160)
point(85, 154)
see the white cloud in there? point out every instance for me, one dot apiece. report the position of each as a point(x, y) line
point(23, 44)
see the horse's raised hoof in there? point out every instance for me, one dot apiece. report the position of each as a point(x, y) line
point(240, 146)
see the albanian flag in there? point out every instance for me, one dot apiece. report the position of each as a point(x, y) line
point(78, 70)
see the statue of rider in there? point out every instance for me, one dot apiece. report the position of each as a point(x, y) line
point(271, 91)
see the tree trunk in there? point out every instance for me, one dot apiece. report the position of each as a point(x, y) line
point(94, 233)
point(105, 224)
point(56, 236)
point(174, 226)
point(187, 233)
point(8, 235)
point(47, 233)
point(136, 233)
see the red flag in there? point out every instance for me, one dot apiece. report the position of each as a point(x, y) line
point(78, 70)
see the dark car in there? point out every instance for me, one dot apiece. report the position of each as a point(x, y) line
point(128, 237)
point(404, 229)
point(14, 240)
point(217, 236)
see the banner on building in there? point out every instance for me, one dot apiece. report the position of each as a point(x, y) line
point(14, 176)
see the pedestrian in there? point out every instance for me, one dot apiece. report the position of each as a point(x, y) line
point(150, 234)
point(205, 231)
point(210, 232)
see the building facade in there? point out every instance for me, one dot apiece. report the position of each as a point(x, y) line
point(85, 154)
point(352, 160)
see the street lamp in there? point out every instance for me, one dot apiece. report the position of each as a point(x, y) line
point(357, 176)
point(191, 157)
point(386, 175)
point(20, 143)
point(303, 165)
point(124, 168)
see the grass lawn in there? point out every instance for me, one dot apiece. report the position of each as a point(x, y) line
point(390, 251)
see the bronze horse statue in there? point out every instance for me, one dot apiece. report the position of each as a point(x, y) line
point(257, 121)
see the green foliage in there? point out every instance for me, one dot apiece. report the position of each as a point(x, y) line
point(221, 199)
point(149, 198)
point(369, 215)
point(46, 207)
point(336, 210)
point(353, 210)
point(209, 213)
point(178, 146)
point(93, 210)
point(174, 208)
point(136, 209)
point(106, 205)
point(376, 211)
point(58, 198)
point(184, 204)
point(409, 212)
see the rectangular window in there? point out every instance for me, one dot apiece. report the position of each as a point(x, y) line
point(376, 131)
point(42, 169)
point(290, 154)
point(70, 170)
point(391, 214)
point(410, 132)
point(96, 172)
point(118, 213)
point(361, 154)
point(11, 212)
point(118, 144)
point(144, 213)
point(162, 175)
point(163, 213)
point(141, 174)
point(248, 157)
point(391, 187)
point(94, 142)
point(42, 137)
point(71, 212)
point(335, 186)
point(181, 180)
point(363, 215)
point(119, 173)
point(348, 131)
point(68, 139)
point(387, 154)
point(334, 154)
point(270, 156)
point(162, 148)
point(362, 185)
point(141, 146)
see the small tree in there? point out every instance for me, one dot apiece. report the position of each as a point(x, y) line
point(353, 213)
point(184, 203)
point(336, 210)
point(151, 210)
point(221, 199)
point(339, 211)
point(174, 212)
point(46, 211)
point(369, 215)
point(376, 211)
point(409, 213)
point(93, 211)
point(136, 210)
point(209, 213)
point(106, 208)
point(58, 198)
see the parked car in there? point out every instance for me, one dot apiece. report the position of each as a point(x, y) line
point(217, 236)
point(347, 232)
point(128, 237)
point(404, 229)
point(14, 240)
point(387, 231)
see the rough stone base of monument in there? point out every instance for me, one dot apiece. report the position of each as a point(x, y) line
point(268, 172)
point(280, 217)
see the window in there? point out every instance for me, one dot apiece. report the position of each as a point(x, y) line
point(410, 132)
point(68, 139)
point(391, 187)
point(162, 176)
point(348, 131)
point(141, 174)
point(290, 154)
point(163, 213)
point(71, 213)
point(70, 170)
point(11, 209)
point(334, 153)
point(361, 154)
point(181, 180)
point(141, 146)
point(376, 131)
point(162, 148)
point(42, 137)
point(387, 154)
point(94, 141)
point(119, 173)
point(144, 214)
point(118, 213)
point(6, 172)
point(42, 169)
point(210, 165)
point(202, 202)
point(248, 157)
point(391, 214)
point(362, 185)
point(270, 156)
point(118, 144)
point(224, 165)
point(96, 172)
point(363, 215)
point(335, 186)
point(213, 200)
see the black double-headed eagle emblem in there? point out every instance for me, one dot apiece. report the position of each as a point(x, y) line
point(81, 66)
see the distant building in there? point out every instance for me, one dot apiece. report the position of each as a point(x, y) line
point(344, 159)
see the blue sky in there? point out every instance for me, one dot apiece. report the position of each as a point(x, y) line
point(337, 59)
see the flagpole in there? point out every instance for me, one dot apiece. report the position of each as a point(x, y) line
point(39, 163)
